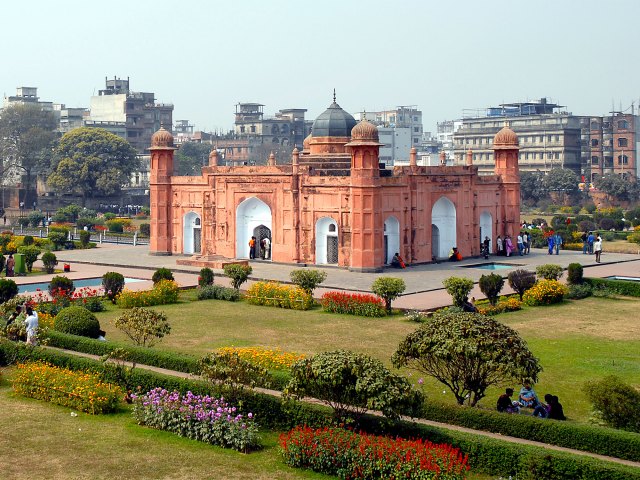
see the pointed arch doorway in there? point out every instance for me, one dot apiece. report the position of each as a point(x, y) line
point(252, 216)
point(191, 236)
point(443, 236)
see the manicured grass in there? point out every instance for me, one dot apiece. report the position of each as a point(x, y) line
point(41, 440)
point(576, 341)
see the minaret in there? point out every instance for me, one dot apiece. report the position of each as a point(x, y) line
point(213, 158)
point(367, 224)
point(505, 152)
point(162, 150)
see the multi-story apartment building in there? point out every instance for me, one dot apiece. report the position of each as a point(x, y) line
point(549, 138)
point(139, 112)
point(287, 127)
point(610, 145)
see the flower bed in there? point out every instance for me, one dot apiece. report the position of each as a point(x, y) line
point(162, 293)
point(79, 390)
point(198, 417)
point(510, 304)
point(271, 359)
point(353, 304)
point(545, 292)
point(273, 294)
point(347, 454)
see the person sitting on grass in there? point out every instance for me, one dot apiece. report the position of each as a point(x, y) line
point(556, 412)
point(528, 397)
point(505, 404)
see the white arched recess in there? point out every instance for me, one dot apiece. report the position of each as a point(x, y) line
point(326, 241)
point(443, 216)
point(191, 233)
point(250, 214)
point(486, 228)
point(391, 238)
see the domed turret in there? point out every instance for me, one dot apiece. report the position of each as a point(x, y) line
point(505, 139)
point(364, 130)
point(162, 138)
point(333, 122)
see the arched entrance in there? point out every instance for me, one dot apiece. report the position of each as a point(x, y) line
point(443, 217)
point(191, 236)
point(326, 241)
point(391, 238)
point(486, 228)
point(261, 232)
point(251, 214)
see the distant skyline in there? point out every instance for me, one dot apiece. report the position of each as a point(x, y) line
point(204, 57)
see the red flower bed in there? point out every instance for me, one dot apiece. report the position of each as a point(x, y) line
point(351, 455)
point(353, 304)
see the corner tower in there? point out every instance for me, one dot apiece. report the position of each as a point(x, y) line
point(505, 151)
point(162, 150)
point(367, 224)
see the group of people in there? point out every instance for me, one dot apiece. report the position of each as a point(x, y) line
point(265, 248)
point(30, 320)
point(592, 244)
point(10, 266)
point(554, 242)
point(527, 398)
point(454, 255)
point(506, 247)
point(397, 261)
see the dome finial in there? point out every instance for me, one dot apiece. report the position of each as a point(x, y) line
point(364, 113)
point(334, 95)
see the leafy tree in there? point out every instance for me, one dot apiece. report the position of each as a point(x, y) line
point(92, 161)
point(491, 285)
point(237, 273)
point(27, 137)
point(521, 280)
point(308, 279)
point(191, 158)
point(617, 187)
point(388, 288)
point(113, 284)
point(30, 253)
point(144, 326)
point(49, 261)
point(459, 289)
point(468, 353)
point(615, 402)
point(351, 383)
point(562, 180)
point(532, 187)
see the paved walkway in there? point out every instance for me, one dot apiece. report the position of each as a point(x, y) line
point(505, 438)
point(424, 282)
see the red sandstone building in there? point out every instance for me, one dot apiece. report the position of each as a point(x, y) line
point(333, 203)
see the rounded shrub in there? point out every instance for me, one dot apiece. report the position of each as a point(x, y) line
point(145, 229)
point(49, 261)
point(607, 223)
point(459, 289)
point(549, 271)
point(206, 277)
point(85, 236)
point(77, 321)
point(574, 274)
point(61, 283)
point(27, 240)
point(308, 279)
point(112, 283)
point(8, 289)
point(31, 254)
point(545, 292)
point(615, 402)
point(491, 285)
point(162, 274)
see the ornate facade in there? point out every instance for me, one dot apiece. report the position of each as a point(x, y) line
point(334, 203)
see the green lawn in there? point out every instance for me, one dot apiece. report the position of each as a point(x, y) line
point(576, 341)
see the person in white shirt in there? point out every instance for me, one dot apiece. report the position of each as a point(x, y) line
point(267, 247)
point(597, 248)
point(31, 323)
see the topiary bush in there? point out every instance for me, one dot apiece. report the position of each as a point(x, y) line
point(8, 289)
point(85, 236)
point(615, 402)
point(145, 229)
point(113, 284)
point(388, 288)
point(549, 271)
point(237, 273)
point(77, 321)
point(459, 289)
point(607, 223)
point(27, 240)
point(308, 279)
point(491, 285)
point(30, 253)
point(574, 274)
point(162, 274)
point(60, 284)
point(206, 277)
point(49, 261)
point(58, 236)
point(545, 292)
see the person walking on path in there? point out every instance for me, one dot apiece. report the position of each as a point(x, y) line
point(590, 239)
point(550, 244)
point(585, 244)
point(267, 248)
point(11, 264)
point(526, 240)
point(557, 241)
point(31, 323)
point(520, 244)
point(252, 248)
point(597, 248)
point(499, 246)
point(508, 245)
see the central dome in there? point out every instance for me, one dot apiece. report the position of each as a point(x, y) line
point(333, 122)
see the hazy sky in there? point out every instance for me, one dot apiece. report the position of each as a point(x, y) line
point(206, 56)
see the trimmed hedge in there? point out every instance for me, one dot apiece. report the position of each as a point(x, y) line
point(142, 355)
point(620, 287)
point(486, 455)
point(601, 440)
